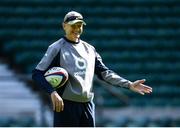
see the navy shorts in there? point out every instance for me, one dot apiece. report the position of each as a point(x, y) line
point(75, 114)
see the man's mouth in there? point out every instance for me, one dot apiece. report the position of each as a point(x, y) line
point(76, 33)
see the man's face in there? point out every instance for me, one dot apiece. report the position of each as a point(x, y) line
point(74, 31)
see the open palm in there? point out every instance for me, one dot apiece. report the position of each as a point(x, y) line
point(139, 87)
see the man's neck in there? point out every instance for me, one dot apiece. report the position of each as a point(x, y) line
point(71, 41)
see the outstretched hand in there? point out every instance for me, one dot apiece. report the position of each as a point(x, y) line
point(139, 87)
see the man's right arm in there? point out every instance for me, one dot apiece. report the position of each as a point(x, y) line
point(38, 77)
point(50, 59)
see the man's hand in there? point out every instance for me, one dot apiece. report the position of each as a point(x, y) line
point(139, 87)
point(57, 102)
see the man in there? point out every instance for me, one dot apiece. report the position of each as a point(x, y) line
point(73, 103)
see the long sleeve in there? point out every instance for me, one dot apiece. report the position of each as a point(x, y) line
point(38, 77)
point(50, 59)
point(107, 75)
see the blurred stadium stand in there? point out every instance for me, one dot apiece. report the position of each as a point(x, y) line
point(19, 105)
point(136, 38)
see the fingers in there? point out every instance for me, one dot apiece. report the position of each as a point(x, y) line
point(139, 87)
point(141, 81)
point(53, 102)
point(138, 82)
point(147, 89)
point(57, 102)
point(59, 106)
point(142, 93)
point(62, 106)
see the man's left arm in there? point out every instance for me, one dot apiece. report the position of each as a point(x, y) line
point(110, 77)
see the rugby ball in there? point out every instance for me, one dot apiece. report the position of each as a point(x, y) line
point(56, 76)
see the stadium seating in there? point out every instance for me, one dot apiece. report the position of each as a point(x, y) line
point(136, 38)
point(19, 105)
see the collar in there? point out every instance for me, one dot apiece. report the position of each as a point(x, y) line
point(71, 41)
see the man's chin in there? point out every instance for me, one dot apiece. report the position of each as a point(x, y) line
point(77, 36)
